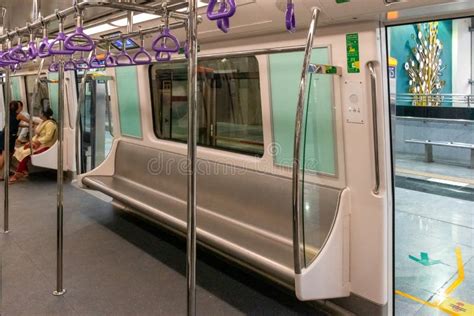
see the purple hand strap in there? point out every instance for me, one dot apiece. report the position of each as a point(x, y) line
point(123, 59)
point(142, 57)
point(110, 60)
point(290, 19)
point(5, 58)
point(163, 48)
point(227, 9)
point(94, 62)
point(43, 48)
point(32, 50)
point(18, 54)
point(224, 23)
point(70, 65)
point(79, 41)
point(82, 64)
point(53, 67)
point(60, 38)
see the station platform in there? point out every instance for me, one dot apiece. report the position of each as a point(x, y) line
point(116, 264)
point(434, 215)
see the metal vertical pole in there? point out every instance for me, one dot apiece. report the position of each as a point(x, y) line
point(60, 179)
point(192, 146)
point(6, 151)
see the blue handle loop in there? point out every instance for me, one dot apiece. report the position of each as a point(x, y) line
point(290, 20)
point(159, 44)
point(228, 10)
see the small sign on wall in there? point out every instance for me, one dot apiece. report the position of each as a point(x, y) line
point(353, 58)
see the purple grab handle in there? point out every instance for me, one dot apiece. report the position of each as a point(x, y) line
point(69, 42)
point(225, 11)
point(159, 57)
point(94, 62)
point(82, 64)
point(290, 19)
point(123, 59)
point(43, 48)
point(224, 23)
point(142, 57)
point(5, 58)
point(110, 60)
point(53, 67)
point(18, 54)
point(162, 48)
point(60, 38)
point(32, 50)
point(70, 65)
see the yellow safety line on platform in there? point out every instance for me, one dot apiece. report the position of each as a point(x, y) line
point(433, 175)
point(460, 277)
point(447, 292)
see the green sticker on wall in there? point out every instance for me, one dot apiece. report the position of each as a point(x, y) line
point(342, 1)
point(352, 45)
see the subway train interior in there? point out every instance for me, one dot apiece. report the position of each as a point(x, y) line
point(230, 157)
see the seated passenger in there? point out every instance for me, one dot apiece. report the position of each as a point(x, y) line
point(46, 135)
point(24, 125)
point(15, 118)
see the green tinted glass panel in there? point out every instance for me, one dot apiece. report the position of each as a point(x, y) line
point(16, 92)
point(53, 93)
point(129, 101)
point(285, 71)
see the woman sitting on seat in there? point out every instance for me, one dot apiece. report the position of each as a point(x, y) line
point(15, 117)
point(45, 137)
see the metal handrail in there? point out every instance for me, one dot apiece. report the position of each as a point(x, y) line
point(297, 141)
point(373, 94)
point(30, 105)
point(410, 98)
point(82, 98)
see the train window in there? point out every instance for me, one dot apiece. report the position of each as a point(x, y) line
point(16, 90)
point(229, 106)
point(129, 101)
point(37, 94)
point(319, 123)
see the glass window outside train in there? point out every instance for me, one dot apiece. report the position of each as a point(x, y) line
point(230, 111)
point(432, 129)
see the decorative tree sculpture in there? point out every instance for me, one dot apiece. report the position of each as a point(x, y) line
point(425, 67)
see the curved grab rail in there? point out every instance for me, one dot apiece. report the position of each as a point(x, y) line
point(290, 19)
point(110, 60)
point(226, 9)
point(43, 46)
point(297, 230)
point(375, 134)
point(17, 53)
point(81, 63)
point(70, 65)
point(142, 57)
point(224, 23)
point(95, 62)
point(59, 40)
point(123, 58)
point(32, 50)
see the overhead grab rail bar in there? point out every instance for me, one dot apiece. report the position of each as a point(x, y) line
point(373, 94)
point(297, 141)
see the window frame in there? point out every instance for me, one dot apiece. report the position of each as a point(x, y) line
point(216, 147)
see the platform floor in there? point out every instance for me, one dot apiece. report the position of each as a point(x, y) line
point(116, 264)
point(434, 214)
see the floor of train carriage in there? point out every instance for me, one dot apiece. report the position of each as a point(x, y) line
point(115, 264)
point(434, 214)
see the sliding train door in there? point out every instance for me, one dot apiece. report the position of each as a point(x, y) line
point(95, 122)
point(431, 94)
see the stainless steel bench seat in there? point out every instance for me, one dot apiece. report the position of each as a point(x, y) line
point(242, 214)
